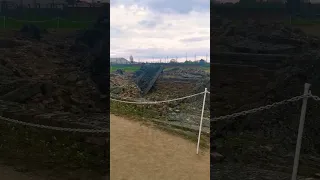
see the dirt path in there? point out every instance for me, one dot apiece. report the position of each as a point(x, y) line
point(142, 152)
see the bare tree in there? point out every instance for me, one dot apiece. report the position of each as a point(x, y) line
point(131, 59)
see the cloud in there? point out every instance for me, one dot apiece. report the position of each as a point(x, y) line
point(148, 23)
point(139, 29)
point(178, 6)
point(183, 7)
point(195, 39)
point(116, 32)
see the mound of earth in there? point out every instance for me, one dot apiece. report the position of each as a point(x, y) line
point(268, 137)
point(122, 86)
point(47, 76)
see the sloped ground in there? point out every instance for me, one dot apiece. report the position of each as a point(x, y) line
point(261, 145)
point(46, 82)
point(174, 83)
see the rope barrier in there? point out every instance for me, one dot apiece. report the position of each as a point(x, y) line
point(87, 130)
point(155, 102)
point(262, 108)
point(52, 127)
point(205, 92)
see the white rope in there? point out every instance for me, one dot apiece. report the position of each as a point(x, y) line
point(155, 102)
point(54, 128)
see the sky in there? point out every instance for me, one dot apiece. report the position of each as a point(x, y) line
point(156, 29)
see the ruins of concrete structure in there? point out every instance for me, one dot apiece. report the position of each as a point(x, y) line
point(146, 76)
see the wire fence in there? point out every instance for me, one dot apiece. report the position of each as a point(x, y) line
point(306, 95)
point(93, 130)
point(58, 22)
point(52, 127)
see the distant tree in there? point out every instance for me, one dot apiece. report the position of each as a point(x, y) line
point(173, 61)
point(131, 59)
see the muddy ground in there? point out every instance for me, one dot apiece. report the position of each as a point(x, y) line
point(172, 83)
point(47, 82)
point(245, 76)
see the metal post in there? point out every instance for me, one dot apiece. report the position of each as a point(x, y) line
point(4, 21)
point(301, 126)
point(200, 127)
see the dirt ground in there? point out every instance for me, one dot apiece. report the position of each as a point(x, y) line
point(261, 145)
point(143, 152)
point(39, 67)
point(9, 173)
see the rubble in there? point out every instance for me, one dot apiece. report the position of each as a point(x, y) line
point(146, 76)
point(31, 31)
point(47, 76)
point(171, 83)
point(122, 86)
point(255, 37)
point(260, 43)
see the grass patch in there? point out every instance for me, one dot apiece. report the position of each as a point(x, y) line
point(61, 154)
point(125, 68)
point(206, 69)
point(13, 23)
point(148, 113)
point(129, 68)
point(302, 22)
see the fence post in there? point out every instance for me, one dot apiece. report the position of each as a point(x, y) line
point(301, 126)
point(200, 127)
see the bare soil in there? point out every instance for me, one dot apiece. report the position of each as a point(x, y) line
point(46, 82)
point(261, 145)
point(9, 173)
point(143, 152)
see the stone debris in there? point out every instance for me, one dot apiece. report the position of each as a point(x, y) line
point(48, 76)
point(271, 79)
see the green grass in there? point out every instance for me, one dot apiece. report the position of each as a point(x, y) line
point(301, 21)
point(149, 114)
point(125, 68)
point(13, 23)
point(128, 68)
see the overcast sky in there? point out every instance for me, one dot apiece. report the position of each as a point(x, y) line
point(148, 29)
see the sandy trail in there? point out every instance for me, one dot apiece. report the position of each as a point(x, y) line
point(139, 152)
